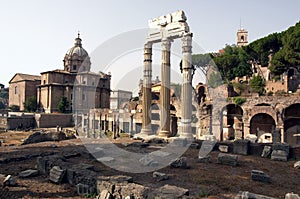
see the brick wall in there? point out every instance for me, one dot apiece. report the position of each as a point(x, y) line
point(53, 120)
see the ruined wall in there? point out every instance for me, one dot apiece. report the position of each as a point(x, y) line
point(53, 120)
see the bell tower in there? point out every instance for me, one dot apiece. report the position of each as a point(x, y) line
point(242, 37)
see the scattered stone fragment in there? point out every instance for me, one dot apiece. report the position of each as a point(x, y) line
point(292, 196)
point(223, 148)
point(205, 159)
point(28, 173)
point(297, 165)
point(260, 176)
point(241, 147)
point(248, 195)
point(228, 159)
point(106, 159)
point(158, 176)
point(105, 195)
point(83, 189)
point(180, 163)
point(169, 191)
point(266, 152)
point(251, 137)
point(9, 181)
point(279, 155)
point(57, 174)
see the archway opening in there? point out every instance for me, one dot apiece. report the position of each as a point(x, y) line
point(262, 125)
point(291, 118)
point(232, 122)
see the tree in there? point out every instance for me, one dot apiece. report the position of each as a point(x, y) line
point(257, 85)
point(30, 104)
point(63, 104)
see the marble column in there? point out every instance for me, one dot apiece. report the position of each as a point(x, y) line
point(147, 83)
point(165, 90)
point(186, 90)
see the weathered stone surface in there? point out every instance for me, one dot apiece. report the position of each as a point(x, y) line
point(47, 136)
point(105, 195)
point(180, 163)
point(57, 174)
point(205, 159)
point(227, 159)
point(116, 179)
point(158, 176)
point(106, 159)
point(248, 195)
point(251, 137)
point(44, 164)
point(28, 173)
point(169, 191)
point(241, 147)
point(281, 146)
point(279, 155)
point(266, 152)
point(80, 174)
point(160, 153)
point(9, 181)
point(223, 148)
point(292, 196)
point(206, 148)
point(297, 165)
point(83, 189)
point(260, 176)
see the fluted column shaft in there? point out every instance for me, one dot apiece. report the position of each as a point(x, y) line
point(186, 90)
point(165, 90)
point(146, 121)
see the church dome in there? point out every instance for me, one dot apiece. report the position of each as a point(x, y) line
point(77, 58)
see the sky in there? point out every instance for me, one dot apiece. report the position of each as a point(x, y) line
point(35, 35)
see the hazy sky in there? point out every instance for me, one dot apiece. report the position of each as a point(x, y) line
point(35, 34)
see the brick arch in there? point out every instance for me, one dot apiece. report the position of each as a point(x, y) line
point(263, 109)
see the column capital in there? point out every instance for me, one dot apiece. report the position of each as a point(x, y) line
point(187, 43)
point(166, 44)
point(148, 45)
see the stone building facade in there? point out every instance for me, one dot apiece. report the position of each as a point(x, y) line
point(82, 88)
point(22, 87)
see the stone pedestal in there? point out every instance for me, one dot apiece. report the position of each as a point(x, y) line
point(165, 90)
point(146, 120)
point(186, 91)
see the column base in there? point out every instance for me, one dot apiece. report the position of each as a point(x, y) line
point(143, 134)
point(164, 134)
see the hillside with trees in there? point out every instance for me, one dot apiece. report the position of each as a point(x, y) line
point(236, 62)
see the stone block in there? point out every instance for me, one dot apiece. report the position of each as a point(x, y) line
point(292, 196)
point(281, 146)
point(228, 159)
point(206, 148)
point(248, 195)
point(169, 191)
point(241, 147)
point(28, 173)
point(158, 176)
point(297, 165)
point(180, 163)
point(279, 155)
point(251, 137)
point(260, 176)
point(205, 159)
point(83, 189)
point(266, 151)
point(223, 148)
point(9, 181)
point(106, 159)
point(57, 174)
point(105, 195)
